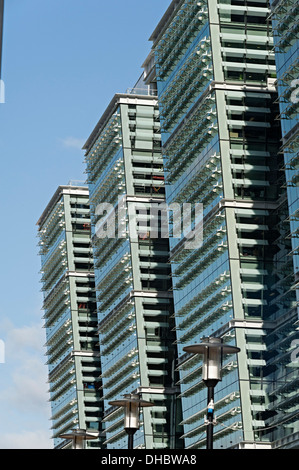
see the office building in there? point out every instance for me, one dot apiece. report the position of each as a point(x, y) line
point(70, 315)
point(221, 142)
point(126, 179)
point(285, 16)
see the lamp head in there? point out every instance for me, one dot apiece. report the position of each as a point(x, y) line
point(131, 404)
point(212, 350)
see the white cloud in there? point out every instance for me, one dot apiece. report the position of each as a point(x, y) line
point(73, 142)
point(28, 388)
point(24, 405)
point(24, 356)
point(26, 440)
point(20, 340)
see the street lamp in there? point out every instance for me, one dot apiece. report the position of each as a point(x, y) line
point(213, 351)
point(78, 436)
point(132, 404)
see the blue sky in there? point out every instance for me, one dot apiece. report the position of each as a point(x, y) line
point(63, 60)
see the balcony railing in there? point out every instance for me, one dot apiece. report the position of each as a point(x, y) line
point(146, 90)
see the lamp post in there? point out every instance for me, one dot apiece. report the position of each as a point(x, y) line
point(132, 404)
point(78, 436)
point(212, 350)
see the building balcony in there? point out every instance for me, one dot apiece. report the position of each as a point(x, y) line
point(248, 53)
point(186, 156)
point(116, 279)
point(199, 415)
point(56, 296)
point(67, 427)
point(197, 327)
point(116, 367)
point(209, 258)
point(121, 385)
point(209, 242)
point(206, 308)
point(129, 331)
point(122, 372)
point(119, 324)
point(64, 409)
point(227, 369)
point(104, 148)
point(209, 290)
point(56, 335)
point(179, 34)
point(54, 355)
point(63, 380)
point(67, 386)
point(246, 39)
point(236, 426)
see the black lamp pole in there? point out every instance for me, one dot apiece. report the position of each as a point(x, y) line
point(131, 433)
point(210, 418)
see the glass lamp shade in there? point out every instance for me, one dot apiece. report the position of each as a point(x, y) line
point(79, 436)
point(131, 404)
point(212, 350)
point(132, 415)
point(212, 363)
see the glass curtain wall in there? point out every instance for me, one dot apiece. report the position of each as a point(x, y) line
point(125, 177)
point(285, 16)
point(70, 314)
point(216, 73)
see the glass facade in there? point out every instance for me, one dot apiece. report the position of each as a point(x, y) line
point(285, 16)
point(70, 314)
point(132, 274)
point(221, 142)
point(212, 121)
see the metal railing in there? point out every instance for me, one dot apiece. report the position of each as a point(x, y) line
point(146, 90)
